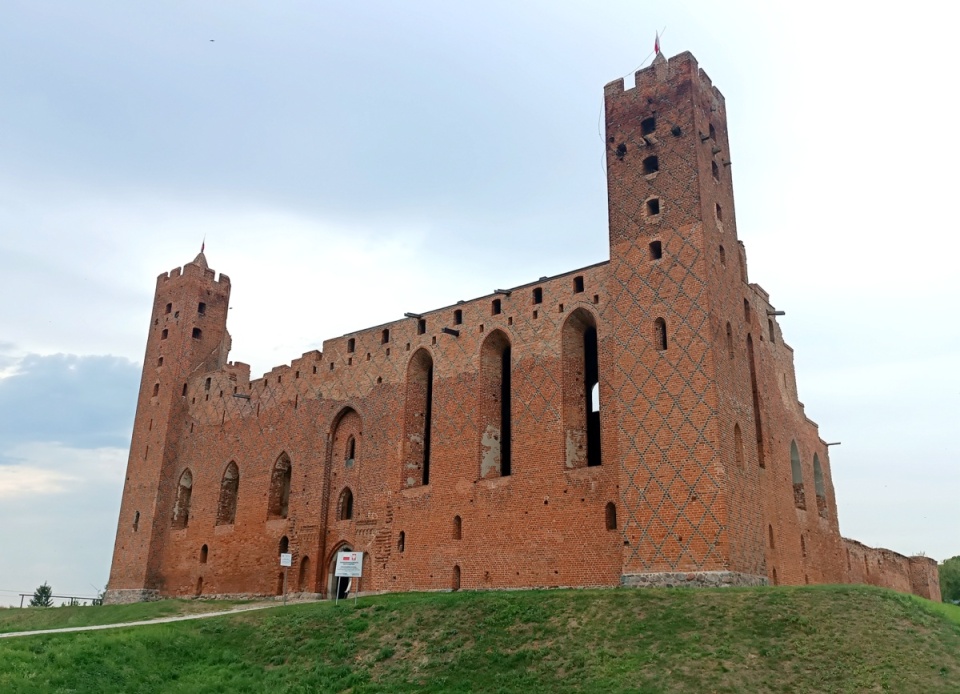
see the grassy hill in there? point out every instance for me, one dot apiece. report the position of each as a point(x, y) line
point(810, 639)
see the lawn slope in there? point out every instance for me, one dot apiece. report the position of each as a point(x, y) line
point(818, 639)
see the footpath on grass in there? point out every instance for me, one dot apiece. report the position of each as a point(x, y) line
point(144, 622)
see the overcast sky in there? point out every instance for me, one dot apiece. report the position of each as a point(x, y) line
point(348, 162)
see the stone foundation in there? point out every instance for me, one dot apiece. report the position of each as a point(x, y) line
point(691, 579)
point(131, 595)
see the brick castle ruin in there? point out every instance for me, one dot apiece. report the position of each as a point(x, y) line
point(465, 448)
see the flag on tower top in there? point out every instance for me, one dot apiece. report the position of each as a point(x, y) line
point(656, 44)
point(203, 244)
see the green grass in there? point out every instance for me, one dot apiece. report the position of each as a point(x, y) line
point(32, 619)
point(806, 639)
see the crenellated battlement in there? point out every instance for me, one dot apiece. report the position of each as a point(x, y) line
point(661, 71)
point(198, 268)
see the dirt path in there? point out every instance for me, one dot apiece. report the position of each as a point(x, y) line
point(158, 620)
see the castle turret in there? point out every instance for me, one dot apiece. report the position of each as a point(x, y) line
point(187, 335)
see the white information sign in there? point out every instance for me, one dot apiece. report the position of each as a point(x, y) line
point(349, 564)
point(286, 559)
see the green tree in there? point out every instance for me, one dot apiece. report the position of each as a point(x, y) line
point(42, 596)
point(950, 579)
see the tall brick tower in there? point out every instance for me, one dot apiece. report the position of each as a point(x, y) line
point(188, 334)
point(675, 272)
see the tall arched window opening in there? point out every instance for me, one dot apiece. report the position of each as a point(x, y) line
point(819, 487)
point(418, 419)
point(279, 499)
point(181, 508)
point(457, 528)
point(799, 497)
point(229, 487)
point(495, 401)
point(581, 390)
point(758, 425)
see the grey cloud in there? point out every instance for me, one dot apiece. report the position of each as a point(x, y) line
point(79, 401)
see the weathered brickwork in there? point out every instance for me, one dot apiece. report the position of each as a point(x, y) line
point(464, 448)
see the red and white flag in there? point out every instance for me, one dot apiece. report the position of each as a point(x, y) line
point(656, 44)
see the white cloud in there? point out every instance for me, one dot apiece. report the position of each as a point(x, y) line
point(25, 481)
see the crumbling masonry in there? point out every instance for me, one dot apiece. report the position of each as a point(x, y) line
point(466, 447)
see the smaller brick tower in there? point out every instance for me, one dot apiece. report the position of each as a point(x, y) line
point(187, 335)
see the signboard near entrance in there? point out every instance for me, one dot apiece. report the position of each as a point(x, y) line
point(349, 564)
point(286, 559)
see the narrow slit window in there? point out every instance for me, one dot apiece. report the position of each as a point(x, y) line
point(660, 334)
point(719, 212)
point(184, 393)
point(402, 542)
point(351, 345)
point(715, 170)
point(656, 250)
point(713, 132)
point(204, 553)
point(156, 389)
point(421, 326)
point(723, 257)
point(773, 332)
point(578, 284)
point(538, 295)
point(206, 384)
point(385, 336)
point(738, 445)
point(202, 308)
point(653, 207)
point(160, 361)
point(651, 165)
point(169, 308)
point(197, 333)
point(495, 307)
point(610, 516)
point(457, 317)
point(350, 454)
point(746, 310)
point(457, 528)
point(345, 505)
point(757, 420)
point(164, 334)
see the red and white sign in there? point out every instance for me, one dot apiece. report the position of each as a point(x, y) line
point(349, 564)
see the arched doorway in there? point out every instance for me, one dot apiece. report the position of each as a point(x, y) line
point(338, 587)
